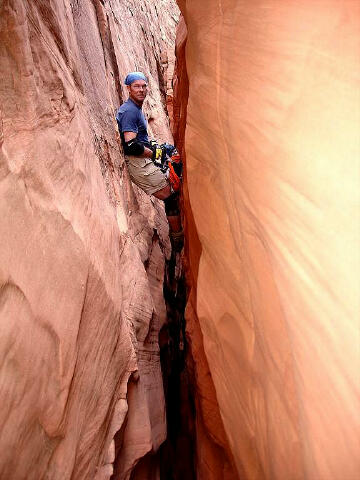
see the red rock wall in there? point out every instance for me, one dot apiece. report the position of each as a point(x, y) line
point(82, 250)
point(272, 207)
point(213, 457)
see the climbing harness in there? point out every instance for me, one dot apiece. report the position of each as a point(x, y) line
point(167, 158)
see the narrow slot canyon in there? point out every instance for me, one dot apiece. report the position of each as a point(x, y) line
point(235, 356)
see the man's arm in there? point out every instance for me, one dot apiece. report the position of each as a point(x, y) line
point(147, 152)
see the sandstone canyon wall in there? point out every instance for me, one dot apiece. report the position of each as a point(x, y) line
point(82, 249)
point(213, 457)
point(272, 208)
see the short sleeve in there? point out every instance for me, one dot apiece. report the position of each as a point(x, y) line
point(128, 122)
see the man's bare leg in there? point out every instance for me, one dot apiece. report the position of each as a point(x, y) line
point(163, 193)
point(174, 220)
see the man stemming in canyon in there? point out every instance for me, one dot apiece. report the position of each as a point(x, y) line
point(144, 158)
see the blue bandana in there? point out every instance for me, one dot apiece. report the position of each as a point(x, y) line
point(134, 76)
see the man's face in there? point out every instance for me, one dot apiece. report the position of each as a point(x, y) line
point(138, 90)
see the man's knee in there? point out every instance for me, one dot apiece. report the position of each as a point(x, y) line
point(163, 193)
point(172, 205)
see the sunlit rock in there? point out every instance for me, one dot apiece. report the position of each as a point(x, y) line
point(272, 208)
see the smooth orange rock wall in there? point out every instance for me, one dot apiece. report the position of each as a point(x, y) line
point(213, 458)
point(82, 250)
point(272, 151)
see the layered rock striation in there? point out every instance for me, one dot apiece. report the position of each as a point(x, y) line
point(272, 209)
point(82, 249)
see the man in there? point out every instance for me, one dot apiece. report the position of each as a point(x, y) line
point(142, 158)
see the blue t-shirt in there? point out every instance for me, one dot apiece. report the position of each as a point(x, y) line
point(130, 118)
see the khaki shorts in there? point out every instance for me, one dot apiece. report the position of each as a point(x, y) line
point(145, 174)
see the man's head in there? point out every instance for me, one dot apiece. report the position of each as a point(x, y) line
point(136, 83)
